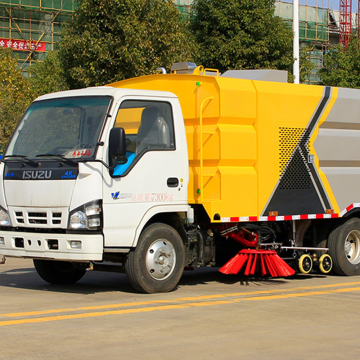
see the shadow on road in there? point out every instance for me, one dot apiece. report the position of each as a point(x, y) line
point(207, 275)
point(91, 283)
point(100, 282)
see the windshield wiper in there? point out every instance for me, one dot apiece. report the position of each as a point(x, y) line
point(24, 157)
point(58, 156)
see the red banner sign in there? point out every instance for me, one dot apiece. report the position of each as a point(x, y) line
point(22, 45)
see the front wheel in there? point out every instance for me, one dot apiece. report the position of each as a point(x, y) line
point(344, 247)
point(58, 272)
point(157, 263)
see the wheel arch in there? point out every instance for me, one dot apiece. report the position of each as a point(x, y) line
point(323, 227)
point(355, 212)
point(166, 215)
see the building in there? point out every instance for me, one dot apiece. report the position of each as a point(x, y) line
point(32, 27)
point(318, 29)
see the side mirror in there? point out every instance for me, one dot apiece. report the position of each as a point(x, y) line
point(117, 143)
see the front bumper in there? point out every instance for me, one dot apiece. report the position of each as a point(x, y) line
point(52, 246)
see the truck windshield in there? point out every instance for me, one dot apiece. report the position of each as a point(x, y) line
point(69, 127)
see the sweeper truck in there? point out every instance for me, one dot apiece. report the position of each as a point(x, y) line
point(193, 168)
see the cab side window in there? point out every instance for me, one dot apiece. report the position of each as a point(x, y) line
point(148, 126)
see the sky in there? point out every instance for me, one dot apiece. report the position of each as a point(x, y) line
point(332, 4)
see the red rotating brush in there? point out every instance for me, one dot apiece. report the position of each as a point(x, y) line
point(256, 261)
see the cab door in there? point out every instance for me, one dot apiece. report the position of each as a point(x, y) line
point(153, 176)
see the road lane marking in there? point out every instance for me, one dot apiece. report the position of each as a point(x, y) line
point(172, 307)
point(192, 298)
point(17, 272)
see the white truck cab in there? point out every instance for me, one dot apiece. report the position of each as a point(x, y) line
point(68, 198)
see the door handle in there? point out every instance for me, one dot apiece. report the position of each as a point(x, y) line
point(172, 182)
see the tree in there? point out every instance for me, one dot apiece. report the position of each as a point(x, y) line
point(15, 95)
point(111, 40)
point(47, 76)
point(242, 34)
point(342, 68)
point(306, 65)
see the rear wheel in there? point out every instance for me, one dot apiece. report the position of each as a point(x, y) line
point(157, 263)
point(344, 247)
point(58, 272)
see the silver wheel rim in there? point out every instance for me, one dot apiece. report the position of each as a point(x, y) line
point(160, 259)
point(352, 247)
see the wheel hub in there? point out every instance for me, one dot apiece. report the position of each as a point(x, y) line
point(352, 247)
point(160, 259)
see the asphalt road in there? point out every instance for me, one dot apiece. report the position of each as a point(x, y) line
point(209, 316)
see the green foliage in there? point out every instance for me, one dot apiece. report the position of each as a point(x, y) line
point(342, 68)
point(15, 95)
point(242, 34)
point(47, 76)
point(306, 65)
point(111, 40)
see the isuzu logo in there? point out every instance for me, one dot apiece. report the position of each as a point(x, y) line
point(36, 174)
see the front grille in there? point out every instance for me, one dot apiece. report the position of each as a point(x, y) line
point(36, 221)
point(36, 218)
point(41, 218)
point(37, 214)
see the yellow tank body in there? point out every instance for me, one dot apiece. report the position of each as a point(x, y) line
point(240, 134)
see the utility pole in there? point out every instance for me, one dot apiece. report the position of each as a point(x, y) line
point(296, 68)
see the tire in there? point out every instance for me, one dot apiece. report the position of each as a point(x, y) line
point(157, 263)
point(58, 272)
point(344, 247)
point(325, 264)
point(305, 264)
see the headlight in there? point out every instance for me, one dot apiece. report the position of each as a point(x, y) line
point(4, 218)
point(87, 217)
